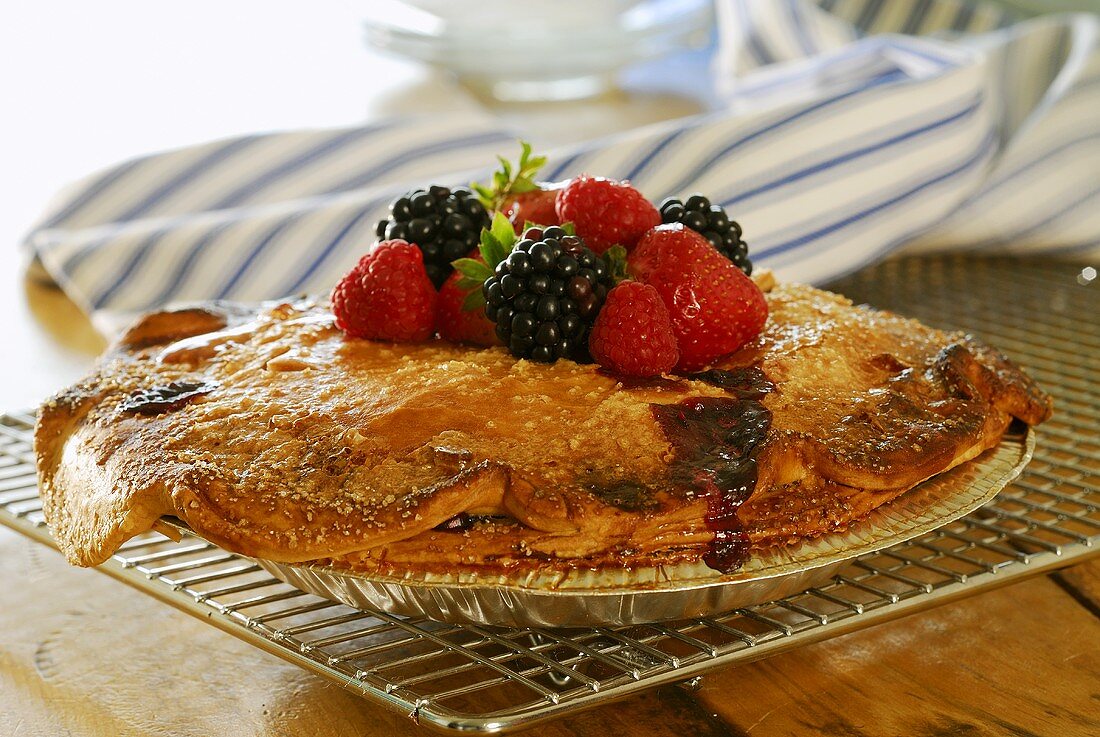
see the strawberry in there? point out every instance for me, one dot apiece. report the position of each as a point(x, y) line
point(633, 334)
point(457, 325)
point(715, 308)
point(387, 295)
point(536, 206)
point(605, 212)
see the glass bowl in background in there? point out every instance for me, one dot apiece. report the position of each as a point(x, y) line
point(536, 50)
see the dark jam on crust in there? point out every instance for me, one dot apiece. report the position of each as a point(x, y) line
point(716, 440)
point(161, 399)
point(653, 383)
point(746, 382)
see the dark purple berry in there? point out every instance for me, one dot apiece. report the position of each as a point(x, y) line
point(711, 222)
point(545, 295)
point(444, 223)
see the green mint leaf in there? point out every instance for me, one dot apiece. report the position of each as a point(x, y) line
point(497, 240)
point(503, 231)
point(569, 228)
point(466, 284)
point(471, 268)
point(523, 184)
point(524, 157)
point(510, 179)
point(490, 248)
point(473, 274)
point(615, 257)
point(484, 194)
point(475, 300)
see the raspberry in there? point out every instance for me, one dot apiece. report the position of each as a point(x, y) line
point(605, 212)
point(715, 308)
point(633, 333)
point(712, 222)
point(536, 206)
point(457, 325)
point(387, 296)
point(443, 223)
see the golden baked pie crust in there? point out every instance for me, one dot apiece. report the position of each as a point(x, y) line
point(300, 444)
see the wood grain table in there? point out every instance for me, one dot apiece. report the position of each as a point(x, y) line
point(83, 655)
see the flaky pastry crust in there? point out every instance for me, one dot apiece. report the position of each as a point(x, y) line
point(273, 435)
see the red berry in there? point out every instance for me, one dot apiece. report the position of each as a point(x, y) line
point(633, 334)
point(715, 308)
point(606, 212)
point(536, 206)
point(387, 296)
point(457, 325)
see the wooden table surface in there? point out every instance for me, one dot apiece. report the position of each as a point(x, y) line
point(83, 655)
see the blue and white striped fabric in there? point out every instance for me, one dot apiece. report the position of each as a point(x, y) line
point(847, 129)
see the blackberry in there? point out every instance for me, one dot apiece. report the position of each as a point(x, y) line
point(546, 294)
point(443, 223)
point(711, 222)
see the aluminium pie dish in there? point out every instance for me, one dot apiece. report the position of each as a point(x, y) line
point(270, 433)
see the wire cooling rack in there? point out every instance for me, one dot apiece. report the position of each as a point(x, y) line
point(1044, 315)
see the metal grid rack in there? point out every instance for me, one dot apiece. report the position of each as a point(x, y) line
point(488, 679)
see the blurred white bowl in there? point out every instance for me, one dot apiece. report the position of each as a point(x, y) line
point(537, 49)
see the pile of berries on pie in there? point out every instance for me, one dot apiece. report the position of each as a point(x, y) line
point(586, 270)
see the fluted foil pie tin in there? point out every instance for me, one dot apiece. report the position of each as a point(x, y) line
point(586, 597)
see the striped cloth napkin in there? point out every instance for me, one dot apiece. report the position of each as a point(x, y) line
point(847, 130)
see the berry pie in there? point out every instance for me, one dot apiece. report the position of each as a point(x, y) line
point(604, 391)
point(275, 435)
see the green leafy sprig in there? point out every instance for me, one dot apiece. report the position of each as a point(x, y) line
point(615, 257)
point(510, 179)
point(496, 243)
